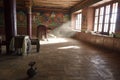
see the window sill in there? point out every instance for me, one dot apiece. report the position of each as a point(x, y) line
point(102, 34)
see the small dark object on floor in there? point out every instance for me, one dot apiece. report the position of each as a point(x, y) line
point(32, 70)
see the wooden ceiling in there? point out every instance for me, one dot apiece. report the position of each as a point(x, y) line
point(58, 4)
point(65, 4)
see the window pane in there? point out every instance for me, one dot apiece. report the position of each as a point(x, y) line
point(105, 27)
point(113, 18)
point(96, 12)
point(114, 8)
point(100, 28)
point(112, 28)
point(80, 18)
point(107, 9)
point(101, 10)
point(106, 18)
point(78, 21)
point(76, 24)
point(95, 27)
point(101, 19)
point(96, 20)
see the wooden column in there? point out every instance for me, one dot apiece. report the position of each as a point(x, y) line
point(0, 44)
point(28, 6)
point(29, 23)
point(10, 21)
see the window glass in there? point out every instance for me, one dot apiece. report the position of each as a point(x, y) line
point(96, 12)
point(101, 19)
point(100, 28)
point(78, 21)
point(96, 20)
point(95, 27)
point(107, 9)
point(112, 28)
point(105, 27)
point(101, 10)
point(106, 18)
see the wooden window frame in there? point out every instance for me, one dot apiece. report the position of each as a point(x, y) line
point(103, 21)
point(80, 24)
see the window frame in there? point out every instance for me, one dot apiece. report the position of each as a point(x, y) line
point(80, 23)
point(103, 21)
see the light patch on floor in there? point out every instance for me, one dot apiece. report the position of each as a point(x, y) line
point(53, 41)
point(69, 47)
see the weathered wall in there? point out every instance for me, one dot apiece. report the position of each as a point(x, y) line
point(84, 19)
point(52, 19)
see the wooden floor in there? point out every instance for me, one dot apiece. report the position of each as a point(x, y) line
point(63, 59)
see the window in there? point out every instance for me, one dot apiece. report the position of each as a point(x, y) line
point(105, 18)
point(78, 21)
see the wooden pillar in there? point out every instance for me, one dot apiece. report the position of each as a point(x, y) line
point(0, 44)
point(28, 6)
point(10, 21)
point(29, 23)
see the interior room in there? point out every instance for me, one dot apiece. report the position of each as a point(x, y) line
point(59, 39)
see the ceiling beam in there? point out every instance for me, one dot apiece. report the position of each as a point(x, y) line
point(83, 4)
point(50, 9)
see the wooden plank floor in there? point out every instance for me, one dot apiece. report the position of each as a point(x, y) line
point(63, 59)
